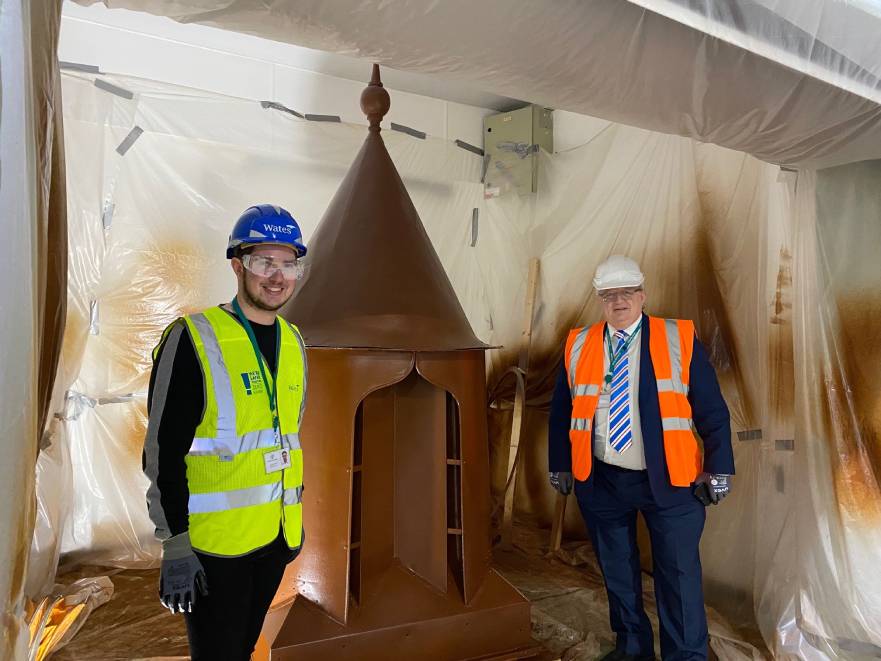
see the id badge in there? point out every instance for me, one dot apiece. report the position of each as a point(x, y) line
point(277, 460)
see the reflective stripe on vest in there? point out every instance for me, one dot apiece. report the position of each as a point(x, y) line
point(670, 346)
point(235, 506)
point(227, 447)
point(202, 503)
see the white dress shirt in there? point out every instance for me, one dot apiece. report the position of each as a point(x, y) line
point(633, 457)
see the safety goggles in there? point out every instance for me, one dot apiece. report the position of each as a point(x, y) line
point(615, 294)
point(264, 267)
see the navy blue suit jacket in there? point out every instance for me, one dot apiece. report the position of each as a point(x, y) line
point(709, 412)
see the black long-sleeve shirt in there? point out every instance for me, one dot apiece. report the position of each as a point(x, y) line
point(175, 408)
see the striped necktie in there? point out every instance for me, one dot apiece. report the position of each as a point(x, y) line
point(620, 435)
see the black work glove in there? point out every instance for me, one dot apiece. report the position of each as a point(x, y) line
point(181, 576)
point(710, 488)
point(562, 482)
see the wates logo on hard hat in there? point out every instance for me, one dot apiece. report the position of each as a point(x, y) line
point(277, 229)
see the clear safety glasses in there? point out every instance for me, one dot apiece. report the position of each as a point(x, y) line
point(613, 295)
point(264, 267)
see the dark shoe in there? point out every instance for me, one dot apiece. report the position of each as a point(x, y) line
point(619, 655)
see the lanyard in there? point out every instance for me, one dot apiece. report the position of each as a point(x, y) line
point(271, 394)
point(615, 357)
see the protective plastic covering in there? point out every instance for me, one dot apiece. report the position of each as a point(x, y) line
point(787, 81)
point(777, 267)
point(833, 41)
point(33, 273)
point(55, 620)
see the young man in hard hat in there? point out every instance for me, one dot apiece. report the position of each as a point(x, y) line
point(629, 392)
point(222, 450)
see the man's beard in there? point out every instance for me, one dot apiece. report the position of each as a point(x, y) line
point(254, 299)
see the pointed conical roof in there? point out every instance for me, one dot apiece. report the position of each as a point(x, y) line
point(374, 279)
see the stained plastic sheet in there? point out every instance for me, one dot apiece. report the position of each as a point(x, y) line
point(759, 257)
point(33, 272)
point(18, 313)
point(787, 81)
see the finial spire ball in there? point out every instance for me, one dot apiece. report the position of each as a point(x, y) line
point(375, 101)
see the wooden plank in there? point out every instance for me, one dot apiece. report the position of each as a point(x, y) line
point(557, 524)
point(514, 452)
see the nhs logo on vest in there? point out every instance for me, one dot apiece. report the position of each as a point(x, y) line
point(253, 382)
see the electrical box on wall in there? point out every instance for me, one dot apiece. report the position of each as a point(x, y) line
point(511, 143)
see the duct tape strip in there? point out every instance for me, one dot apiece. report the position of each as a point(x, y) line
point(126, 144)
point(93, 318)
point(323, 118)
point(113, 89)
point(75, 403)
point(785, 444)
point(468, 147)
point(107, 215)
point(749, 435)
point(406, 129)
point(486, 159)
point(278, 106)
point(76, 66)
point(475, 213)
point(117, 399)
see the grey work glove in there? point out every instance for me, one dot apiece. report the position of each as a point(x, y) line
point(710, 488)
point(181, 576)
point(561, 481)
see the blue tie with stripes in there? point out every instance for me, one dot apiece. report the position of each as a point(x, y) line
point(620, 434)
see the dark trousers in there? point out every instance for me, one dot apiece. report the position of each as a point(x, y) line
point(609, 505)
point(225, 624)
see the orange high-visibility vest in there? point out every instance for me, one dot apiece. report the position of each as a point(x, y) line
point(671, 342)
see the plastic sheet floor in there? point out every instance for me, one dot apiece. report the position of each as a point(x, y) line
point(569, 610)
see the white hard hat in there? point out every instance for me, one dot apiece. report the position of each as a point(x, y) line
point(618, 271)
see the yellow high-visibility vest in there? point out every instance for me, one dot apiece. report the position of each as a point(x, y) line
point(235, 505)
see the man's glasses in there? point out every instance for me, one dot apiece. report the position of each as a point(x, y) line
point(623, 294)
point(264, 267)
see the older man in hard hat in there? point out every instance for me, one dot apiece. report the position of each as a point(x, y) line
point(628, 395)
point(222, 450)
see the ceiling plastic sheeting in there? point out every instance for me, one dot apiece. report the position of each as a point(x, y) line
point(778, 269)
point(740, 75)
point(836, 42)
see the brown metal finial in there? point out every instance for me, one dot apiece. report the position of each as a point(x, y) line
point(375, 101)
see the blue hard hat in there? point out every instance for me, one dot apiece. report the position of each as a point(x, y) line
point(266, 223)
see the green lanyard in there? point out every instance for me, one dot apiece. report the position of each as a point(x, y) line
point(274, 392)
point(615, 358)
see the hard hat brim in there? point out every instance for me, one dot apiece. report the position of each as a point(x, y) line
point(298, 248)
point(617, 283)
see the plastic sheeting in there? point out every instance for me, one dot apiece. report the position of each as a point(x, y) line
point(832, 41)
point(33, 273)
point(761, 258)
point(55, 620)
point(787, 81)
